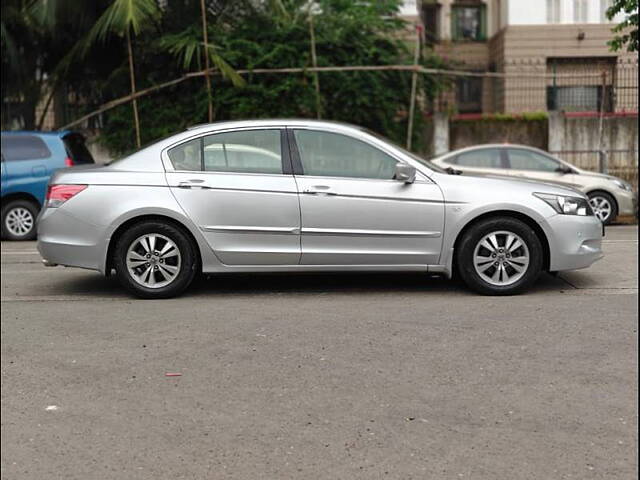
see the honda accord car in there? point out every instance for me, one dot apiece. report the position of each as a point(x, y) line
point(312, 196)
point(609, 196)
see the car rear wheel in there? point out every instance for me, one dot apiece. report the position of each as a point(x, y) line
point(155, 260)
point(19, 220)
point(499, 256)
point(603, 206)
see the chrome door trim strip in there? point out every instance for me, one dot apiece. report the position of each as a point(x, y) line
point(367, 233)
point(250, 229)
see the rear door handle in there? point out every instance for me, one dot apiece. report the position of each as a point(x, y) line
point(194, 182)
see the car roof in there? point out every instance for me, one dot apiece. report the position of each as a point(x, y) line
point(57, 133)
point(274, 122)
point(491, 145)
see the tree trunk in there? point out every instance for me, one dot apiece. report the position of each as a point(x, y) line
point(132, 77)
point(207, 78)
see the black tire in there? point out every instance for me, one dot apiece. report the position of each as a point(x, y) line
point(609, 198)
point(471, 238)
point(189, 263)
point(20, 206)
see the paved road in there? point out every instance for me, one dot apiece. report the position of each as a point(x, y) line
point(320, 377)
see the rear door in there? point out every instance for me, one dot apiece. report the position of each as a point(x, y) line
point(26, 158)
point(355, 213)
point(238, 188)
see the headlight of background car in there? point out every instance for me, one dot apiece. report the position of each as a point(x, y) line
point(622, 184)
point(565, 204)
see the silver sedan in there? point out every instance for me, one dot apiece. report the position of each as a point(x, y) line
point(299, 195)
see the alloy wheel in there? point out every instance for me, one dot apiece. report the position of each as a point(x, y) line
point(601, 207)
point(153, 260)
point(501, 258)
point(19, 221)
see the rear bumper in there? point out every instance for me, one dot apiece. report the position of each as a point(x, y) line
point(66, 240)
point(576, 242)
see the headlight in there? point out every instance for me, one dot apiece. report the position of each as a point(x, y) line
point(566, 205)
point(622, 184)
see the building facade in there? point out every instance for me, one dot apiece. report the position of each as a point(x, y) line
point(546, 54)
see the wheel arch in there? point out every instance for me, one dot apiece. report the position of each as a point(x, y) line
point(10, 197)
point(535, 226)
point(145, 218)
point(602, 190)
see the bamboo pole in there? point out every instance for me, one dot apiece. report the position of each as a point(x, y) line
point(314, 62)
point(207, 76)
point(414, 84)
point(132, 78)
point(358, 68)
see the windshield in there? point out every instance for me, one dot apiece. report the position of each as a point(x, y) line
point(424, 161)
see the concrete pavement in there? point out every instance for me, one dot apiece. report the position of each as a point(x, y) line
point(320, 376)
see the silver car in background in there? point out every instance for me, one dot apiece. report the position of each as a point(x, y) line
point(609, 196)
point(300, 195)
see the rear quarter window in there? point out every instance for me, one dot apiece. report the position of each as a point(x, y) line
point(24, 147)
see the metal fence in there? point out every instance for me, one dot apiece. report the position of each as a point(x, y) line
point(620, 163)
point(521, 87)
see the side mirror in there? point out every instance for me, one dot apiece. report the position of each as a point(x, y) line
point(404, 173)
point(564, 170)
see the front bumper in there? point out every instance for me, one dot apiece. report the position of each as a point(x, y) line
point(627, 202)
point(575, 242)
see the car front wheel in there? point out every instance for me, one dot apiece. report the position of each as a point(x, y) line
point(19, 220)
point(604, 206)
point(499, 256)
point(155, 260)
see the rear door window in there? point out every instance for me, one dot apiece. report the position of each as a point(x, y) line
point(77, 150)
point(24, 147)
point(484, 158)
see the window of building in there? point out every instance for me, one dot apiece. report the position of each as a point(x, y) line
point(334, 155)
point(468, 22)
point(580, 11)
point(431, 20)
point(469, 94)
point(553, 11)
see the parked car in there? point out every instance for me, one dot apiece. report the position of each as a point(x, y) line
point(299, 195)
point(28, 160)
point(609, 196)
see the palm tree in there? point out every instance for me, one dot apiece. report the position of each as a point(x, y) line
point(188, 47)
point(125, 18)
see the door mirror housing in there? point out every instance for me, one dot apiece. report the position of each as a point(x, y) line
point(404, 173)
point(564, 170)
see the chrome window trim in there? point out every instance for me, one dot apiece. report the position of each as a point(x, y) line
point(168, 166)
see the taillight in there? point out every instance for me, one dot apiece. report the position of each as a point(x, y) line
point(58, 194)
point(68, 162)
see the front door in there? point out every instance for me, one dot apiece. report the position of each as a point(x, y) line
point(233, 187)
point(355, 213)
point(536, 166)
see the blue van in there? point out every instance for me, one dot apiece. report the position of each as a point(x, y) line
point(28, 160)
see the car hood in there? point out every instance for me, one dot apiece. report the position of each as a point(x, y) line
point(507, 181)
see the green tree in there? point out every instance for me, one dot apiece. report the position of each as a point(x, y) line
point(125, 18)
point(627, 30)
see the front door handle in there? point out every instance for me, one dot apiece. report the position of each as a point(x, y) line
point(318, 190)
